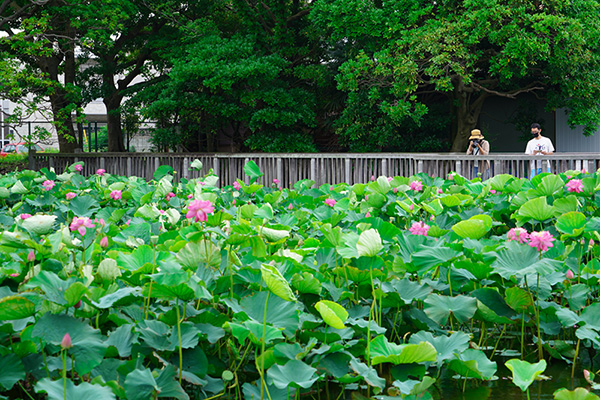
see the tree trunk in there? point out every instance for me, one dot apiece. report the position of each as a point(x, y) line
point(466, 113)
point(113, 117)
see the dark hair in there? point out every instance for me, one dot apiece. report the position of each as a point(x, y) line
point(535, 126)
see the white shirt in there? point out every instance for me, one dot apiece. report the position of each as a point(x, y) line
point(541, 144)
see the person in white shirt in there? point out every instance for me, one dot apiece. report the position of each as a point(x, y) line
point(537, 146)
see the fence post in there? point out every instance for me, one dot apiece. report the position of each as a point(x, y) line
point(419, 166)
point(384, 167)
point(280, 171)
point(128, 166)
point(216, 165)
point(246, 177)
point(102, 163)
point(347, 170)
point(458, 167)
point(156, 163)
point(186, 168)
point(50, 162)
point(31, 159)
point(313, 169)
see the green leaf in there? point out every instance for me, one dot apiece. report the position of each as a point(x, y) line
point(140, 385)
point(161, 171)
point(369, 243)
point(537, 209)
point(475, 227)
point(55, 390)
point(439, 308)
point(332, 313)
point(445, 346)
point(306, 283)
point(195, 253)
point(11, 370)
point(88, 346)
point(83, 206)
point(525, 373)
point(276, 282)
point(549, 185)
point(577, 394)
point(74, 293)
point(571, 224)
point(473, 364)
point(384, 351)
point(293, 373)
point(15, 307)
point(252, 170)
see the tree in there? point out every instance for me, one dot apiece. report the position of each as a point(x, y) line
point(248, 69)
point(468, 51)
point(38, 53)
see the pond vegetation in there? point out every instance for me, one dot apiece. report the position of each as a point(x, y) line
point(112, 287)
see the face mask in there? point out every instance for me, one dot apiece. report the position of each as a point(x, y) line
point(534, 134)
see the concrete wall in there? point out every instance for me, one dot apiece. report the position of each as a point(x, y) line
point(572, 140)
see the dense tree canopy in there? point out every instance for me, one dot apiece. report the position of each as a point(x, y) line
point(293, 75)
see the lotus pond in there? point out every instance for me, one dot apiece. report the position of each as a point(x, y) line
point(113, 287)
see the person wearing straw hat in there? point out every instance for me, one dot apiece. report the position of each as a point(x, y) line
point(478, 146)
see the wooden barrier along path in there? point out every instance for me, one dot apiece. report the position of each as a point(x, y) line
point(330, 168)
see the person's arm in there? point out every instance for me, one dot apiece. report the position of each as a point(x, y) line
point(484, 149)
point(550, 148)
point(470, 149)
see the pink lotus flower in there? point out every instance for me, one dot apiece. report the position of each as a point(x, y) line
point(570, 275)
point(440, 191)
point(31, 256)
point(368, 215)
point(575, 185)
point(25, 216)
point(583, 171)
point(78, 167)
point(372, 177)
point(70, 195)
point(14, 275)
point(416, 186)
point(170, 195)
point(419, 228)
point(101, 172)
point(451, 177)
point(104, 242)
point(66, 342)
point(331, 188)
point(542, 241)
point(233, 202)
point(162, 212)
point(128, 222)
point(276, 181)
point(591, 243)
point(395, 190)
point(198, 209)
point(518, 234)
point(492, 191)
point(100, 221)
point(330, 202)
point(290, 207)
point(411, 207)
point(190, 196)
point(115, 194)
point(80, 224)
point(236, 185)
point(48, 184)
point(389, 178)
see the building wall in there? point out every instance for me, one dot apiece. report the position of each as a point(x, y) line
point(505, 122)
point(572, 140)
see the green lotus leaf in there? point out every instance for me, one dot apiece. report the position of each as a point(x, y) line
point(56, 391)
point(15, 307)
point(332, 313)
point(39, 224)
point(412, 387)
point(12, 370)
point(19, 188)
point(499, 182)
point(383, 351)
point(84, 206)
point(369, 243)
point(294, 373)
point(439, 307)
point(577, 394)
point(572, 224)
point(524, 373)
point(450, 201)
point(549, 185)
point(274, 235)
point(475, 227)
point(276, 282)
point(252, 170)
point(434, 207)
point(537, 209)
point(193, 254)
point(473, 364)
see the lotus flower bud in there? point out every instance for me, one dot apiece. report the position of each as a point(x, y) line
point(31, 256)
point(570, 274)
point(104, 242)
point(66, 342)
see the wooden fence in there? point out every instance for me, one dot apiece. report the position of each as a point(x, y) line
point(330, 168)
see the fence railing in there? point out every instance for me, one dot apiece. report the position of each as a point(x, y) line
point(329, 168)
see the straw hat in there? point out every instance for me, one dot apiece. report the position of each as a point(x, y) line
point(476, 134)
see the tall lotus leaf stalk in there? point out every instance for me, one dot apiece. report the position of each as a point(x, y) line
point(179, 340)
point(277, 284)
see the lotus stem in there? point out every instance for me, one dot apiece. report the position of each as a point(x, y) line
point(575, 358)
point(64, 372)
point(537, 319)
point(179, 341)
point(262, 351)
